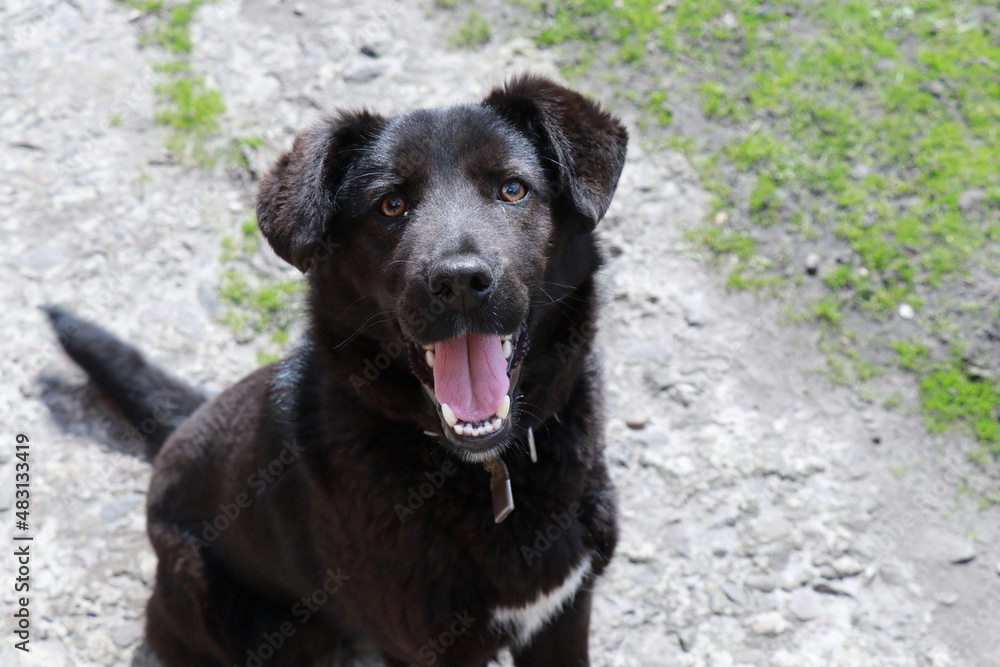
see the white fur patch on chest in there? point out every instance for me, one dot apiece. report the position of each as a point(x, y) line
point(525, 621)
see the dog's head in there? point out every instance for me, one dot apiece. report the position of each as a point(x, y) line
point(434, 231)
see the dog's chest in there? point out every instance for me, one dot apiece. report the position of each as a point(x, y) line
point(526, 620)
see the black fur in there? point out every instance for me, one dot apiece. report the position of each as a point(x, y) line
point(300, 478)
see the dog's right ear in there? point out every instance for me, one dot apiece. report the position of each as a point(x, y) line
point(296, 199)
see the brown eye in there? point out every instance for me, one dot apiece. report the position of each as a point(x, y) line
point(392, 206)
point(513, 190)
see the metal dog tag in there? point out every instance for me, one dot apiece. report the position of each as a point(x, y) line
point(503, 498)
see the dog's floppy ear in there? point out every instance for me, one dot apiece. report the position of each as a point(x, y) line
point(296, 199)
point(584, 143)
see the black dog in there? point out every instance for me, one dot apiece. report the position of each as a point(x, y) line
point(360, 487)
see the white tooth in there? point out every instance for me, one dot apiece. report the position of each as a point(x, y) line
point(429, 348)
point(459, 429)
point(504, 408)
point(497, 423)
point(507, 338)
point(429, 358)
point(488, 427)
point(507, 349)
point(449, 415)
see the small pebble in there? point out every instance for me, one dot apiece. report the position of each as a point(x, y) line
point(948, 598)
point(812, 264)
point(906, 311)
point(637, 420)
point(761, 582)
point(770, 624)
point(126, 634)
point(805, 604)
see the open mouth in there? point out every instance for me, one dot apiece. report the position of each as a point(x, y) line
point(471, 379)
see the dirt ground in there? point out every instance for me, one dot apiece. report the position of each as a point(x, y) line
point(768, 519)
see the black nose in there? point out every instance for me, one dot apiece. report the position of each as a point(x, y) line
point(462, 282)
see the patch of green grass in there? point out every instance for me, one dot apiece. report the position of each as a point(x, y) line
point(475, 31)
point(829, 311)
point(986, 501)
point(186, 103)
point(656, 108)
point(145, 6)
point(263, 306)
point(235, 154)
point(911, 355)
point(726, 241)
point(951, 395)
point(849, 124)
point(193, 106)
point(257, 307)
point(173, 33)
point(192, 110)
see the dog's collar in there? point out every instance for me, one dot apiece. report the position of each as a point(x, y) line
point(503, 498)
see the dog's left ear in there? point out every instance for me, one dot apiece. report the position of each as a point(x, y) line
point(583, 144)
point(295, 202)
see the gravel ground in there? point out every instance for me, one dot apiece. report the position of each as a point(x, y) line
point(767, 518)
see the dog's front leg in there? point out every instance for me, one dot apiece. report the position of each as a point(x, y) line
point(563, 641)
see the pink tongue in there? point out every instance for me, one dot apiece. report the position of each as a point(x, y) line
point(470, 375)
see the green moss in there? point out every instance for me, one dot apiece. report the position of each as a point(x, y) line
point(193, 107)
point(951, 396)
point(192, 110)
point(186, 104)
point(474, 32)
point(265, 357)
point(655, 106)
point(235, 154)
point(257, 307)
point(911, 355)
point(829, 311)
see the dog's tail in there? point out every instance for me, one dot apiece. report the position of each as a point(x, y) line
point(151, 401)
